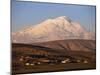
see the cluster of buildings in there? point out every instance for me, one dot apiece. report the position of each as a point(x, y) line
point(27, 60)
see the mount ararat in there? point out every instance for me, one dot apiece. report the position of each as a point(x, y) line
point(60, 28)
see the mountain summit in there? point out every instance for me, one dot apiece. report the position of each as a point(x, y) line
point(60, 28)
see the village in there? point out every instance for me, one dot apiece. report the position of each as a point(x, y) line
point(32, 60)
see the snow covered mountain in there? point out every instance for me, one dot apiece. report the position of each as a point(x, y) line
point(52, 29)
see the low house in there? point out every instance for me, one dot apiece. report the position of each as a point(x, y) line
point(85, 61)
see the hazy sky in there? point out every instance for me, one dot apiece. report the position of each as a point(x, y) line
point(31, 13)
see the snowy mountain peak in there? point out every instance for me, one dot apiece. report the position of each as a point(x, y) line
point(64, 18)
point(59, 28)
point(60, 19)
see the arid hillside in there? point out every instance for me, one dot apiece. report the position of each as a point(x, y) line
point(68, 48)
point(70, 45)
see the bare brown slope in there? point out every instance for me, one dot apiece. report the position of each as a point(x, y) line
point(70, 45)
point(77, 49)
point(33, 49)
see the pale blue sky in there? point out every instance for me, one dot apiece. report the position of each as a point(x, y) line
point(31, 13)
